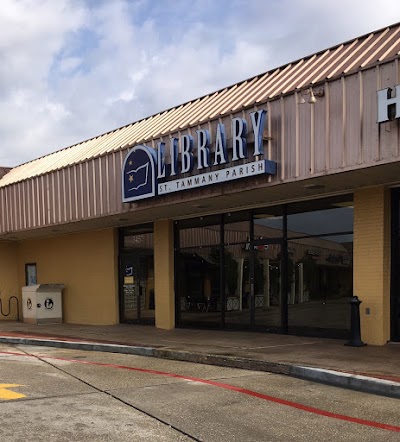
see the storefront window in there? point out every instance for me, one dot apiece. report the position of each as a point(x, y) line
point(320, 267)
point(197, 270)
point(236, 264)
point(200, 232)
point(268, 222)
point(236, 297)
point(267, 261)
point(275, 269)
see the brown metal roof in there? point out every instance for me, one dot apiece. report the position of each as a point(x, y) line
point(376, 47)
point(4, 170)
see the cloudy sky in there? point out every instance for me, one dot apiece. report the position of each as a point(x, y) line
point(73, 69)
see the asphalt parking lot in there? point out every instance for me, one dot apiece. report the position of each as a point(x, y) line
point(51, 394)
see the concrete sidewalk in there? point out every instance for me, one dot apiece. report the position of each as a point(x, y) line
point(370, 369)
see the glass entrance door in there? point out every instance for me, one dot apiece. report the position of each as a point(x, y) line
point(136, 293)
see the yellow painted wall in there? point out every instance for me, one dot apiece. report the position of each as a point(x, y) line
point(87, 264)
point(372, 262)
point(164, 274)
point(8, 278)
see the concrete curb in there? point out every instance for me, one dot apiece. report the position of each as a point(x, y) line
point(335, 378)
point(351, 381)
point(80, 345)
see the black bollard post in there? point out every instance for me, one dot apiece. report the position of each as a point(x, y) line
point(355, 329)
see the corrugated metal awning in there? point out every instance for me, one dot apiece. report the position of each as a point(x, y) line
point(342, 59)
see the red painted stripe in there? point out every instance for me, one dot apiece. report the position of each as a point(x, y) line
point(265, 397)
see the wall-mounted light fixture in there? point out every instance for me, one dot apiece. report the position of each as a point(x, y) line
point(266, 135)
point(312, 95)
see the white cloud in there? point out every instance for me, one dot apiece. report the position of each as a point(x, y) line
point(72, 69)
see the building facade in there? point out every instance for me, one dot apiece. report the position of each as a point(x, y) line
point(262, 206)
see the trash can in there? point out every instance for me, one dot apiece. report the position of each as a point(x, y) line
point(42, 303)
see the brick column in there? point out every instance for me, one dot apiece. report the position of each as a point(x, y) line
point(372, 262)
point(164, 274)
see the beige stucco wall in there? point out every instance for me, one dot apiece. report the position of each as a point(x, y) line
point(87, 264)
point(372, 262)
point(8, 278)
point(164, 274)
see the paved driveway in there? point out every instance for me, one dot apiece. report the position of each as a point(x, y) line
point(49, 394)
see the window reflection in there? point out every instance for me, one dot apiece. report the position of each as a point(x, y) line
point(320, 217)
point(268, 223)
point(237, 290)
point(320, 267)
point(302, 275)
point(203, 231)
point(198, 271)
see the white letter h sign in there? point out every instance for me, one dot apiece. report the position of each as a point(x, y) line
point(385, 101)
